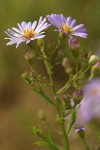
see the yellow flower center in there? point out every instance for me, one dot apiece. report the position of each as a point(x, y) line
point(28, 33)
point(66, 28)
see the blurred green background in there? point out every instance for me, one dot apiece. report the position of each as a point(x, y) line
point(19, 105)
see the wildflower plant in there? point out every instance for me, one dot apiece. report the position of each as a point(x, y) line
point(68, 99)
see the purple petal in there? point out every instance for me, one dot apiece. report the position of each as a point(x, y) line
point(62, 19)
point(83, 35)
point(34, 25)
point(73, 23)
point(15, 29)
point(39, 36)
point(82, 30)
point(68, 20)
point(78, 27)
point(29, 25)
point(54, 19)
point(23, 24)
point(13, 33)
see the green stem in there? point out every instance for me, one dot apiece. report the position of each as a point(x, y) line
point(87, 147)
point(40, 91)
point(62, 121)
point(76, 67)
point(64, 88)
point(72, 120)
point(53, 146)
point(48, 67)
point(65, 136)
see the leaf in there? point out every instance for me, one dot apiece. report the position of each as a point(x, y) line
point(72, 120)
point(42, 143)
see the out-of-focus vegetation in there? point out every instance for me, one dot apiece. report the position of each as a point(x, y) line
point(18, 104)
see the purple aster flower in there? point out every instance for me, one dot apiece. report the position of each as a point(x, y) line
point(79, 127)
point(90, 105)
point(67, 25)
point(27, 32)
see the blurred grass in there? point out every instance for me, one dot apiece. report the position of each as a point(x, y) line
point(18, 104)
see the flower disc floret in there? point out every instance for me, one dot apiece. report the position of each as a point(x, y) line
point(29, 33)
point(66, 28)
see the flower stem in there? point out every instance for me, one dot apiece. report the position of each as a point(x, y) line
point(87, 147)
point(40, 91)
point(48, 67)
point(64, 88)
point(62, 121)
point(65, 136)
point(72, 120)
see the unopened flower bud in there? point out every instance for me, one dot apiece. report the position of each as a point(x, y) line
point(97, 65)
point(66, 65)
point(65, 62)
point(80, 129)
point(95, 70)
point(42, 115)
point(77, 96)
point(37, 131)
point(73, 43)
point(93, 59)
point(29, 55)
point(24, 75)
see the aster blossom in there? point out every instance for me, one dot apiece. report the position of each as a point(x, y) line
point(67, 25)
point(79, 127)
point(27, 32)
point(90, 105)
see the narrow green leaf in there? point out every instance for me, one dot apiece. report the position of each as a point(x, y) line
point(42, 143)
point(72, 121)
